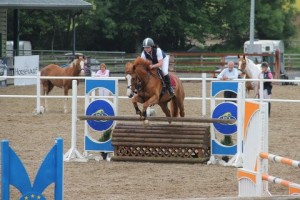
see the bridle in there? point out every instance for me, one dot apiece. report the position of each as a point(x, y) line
point(75, 63)
point(135, 83)
point(243, 65)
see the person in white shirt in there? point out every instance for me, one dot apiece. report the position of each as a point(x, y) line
point(229, 73)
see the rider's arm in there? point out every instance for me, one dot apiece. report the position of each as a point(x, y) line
point(143, 55)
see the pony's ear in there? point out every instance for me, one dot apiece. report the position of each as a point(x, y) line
point(133, 68)
point(244, 56)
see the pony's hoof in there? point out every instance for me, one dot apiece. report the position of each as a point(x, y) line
point(142, 118)
point(146, 122)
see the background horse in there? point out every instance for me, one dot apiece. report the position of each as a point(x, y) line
point(148, 86)
point(250, 71)
point(75, 68)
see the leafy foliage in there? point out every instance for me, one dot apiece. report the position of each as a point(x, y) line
point(121, 25)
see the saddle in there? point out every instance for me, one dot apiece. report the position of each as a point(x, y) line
point(165, 89)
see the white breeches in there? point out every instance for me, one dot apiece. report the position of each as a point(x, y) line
point(266, 95)
point(165, 66)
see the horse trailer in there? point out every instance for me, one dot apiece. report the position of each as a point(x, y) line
point(25, 48)
point(268, 47)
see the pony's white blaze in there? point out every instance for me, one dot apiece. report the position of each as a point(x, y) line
point(82, 68)
point(129, 91)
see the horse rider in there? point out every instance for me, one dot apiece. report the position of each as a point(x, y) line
point(159, 59)
point(267, 86)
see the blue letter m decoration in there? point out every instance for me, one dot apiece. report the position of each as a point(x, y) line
point(15, 174)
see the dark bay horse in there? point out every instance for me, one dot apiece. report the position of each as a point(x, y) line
point(76, 68)
point(148, 86)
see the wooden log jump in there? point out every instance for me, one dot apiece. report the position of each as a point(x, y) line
point(159, 119)
point(161, 143)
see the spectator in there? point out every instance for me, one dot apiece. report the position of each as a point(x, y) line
point(103, 71)
point(267, 86)
point(228, 73)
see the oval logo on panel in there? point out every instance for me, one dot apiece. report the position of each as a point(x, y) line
point(226, 110)
point(100, 107)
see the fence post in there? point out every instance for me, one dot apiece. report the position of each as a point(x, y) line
point(203, 94)
point(38, 92)
point(73, 153)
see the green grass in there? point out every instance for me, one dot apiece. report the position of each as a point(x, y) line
point(295, 50)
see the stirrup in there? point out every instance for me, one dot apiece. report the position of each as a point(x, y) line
point(171, 91)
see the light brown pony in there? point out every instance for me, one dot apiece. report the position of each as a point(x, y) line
point(148, 86)
point(74, 69)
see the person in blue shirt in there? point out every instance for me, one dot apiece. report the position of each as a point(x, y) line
point(159, 59)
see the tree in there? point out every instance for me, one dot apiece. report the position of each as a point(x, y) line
point(274, 19)
point(121, 25)
point(231, 21)
point(46, 29)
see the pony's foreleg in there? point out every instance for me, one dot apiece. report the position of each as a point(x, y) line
point(134, 101)
point(151, 101)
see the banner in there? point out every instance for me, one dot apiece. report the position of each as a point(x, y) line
point(26, 66)
point(3, 69)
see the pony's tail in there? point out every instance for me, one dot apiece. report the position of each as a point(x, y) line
point(47, 86)
point(174, 107)
point(50, 87)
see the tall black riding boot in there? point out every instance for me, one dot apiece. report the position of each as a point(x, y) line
point(269, 109)
point(168, 84)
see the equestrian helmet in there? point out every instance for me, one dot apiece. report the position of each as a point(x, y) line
point(264, 64)
point(148, 42)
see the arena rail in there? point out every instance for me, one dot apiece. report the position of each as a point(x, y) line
point(203, 98)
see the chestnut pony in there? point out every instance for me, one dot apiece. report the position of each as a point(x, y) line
point(250, 70)
point(149, 89)
point(75, 68)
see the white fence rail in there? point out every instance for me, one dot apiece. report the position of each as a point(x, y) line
point(202, 98)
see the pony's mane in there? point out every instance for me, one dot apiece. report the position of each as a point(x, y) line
point(141, 61)
point(74, 62)
point(253, 68)
point(249, 60)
